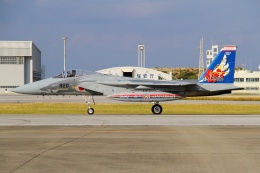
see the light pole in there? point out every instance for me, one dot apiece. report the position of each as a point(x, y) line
point(64, 38)
point(141, 55)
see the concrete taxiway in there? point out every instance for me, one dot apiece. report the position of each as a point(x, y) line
point(126, 120)
point(116, 149)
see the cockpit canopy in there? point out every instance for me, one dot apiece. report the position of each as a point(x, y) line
point(73, 73)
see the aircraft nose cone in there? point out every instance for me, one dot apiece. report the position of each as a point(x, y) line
point(31, 88)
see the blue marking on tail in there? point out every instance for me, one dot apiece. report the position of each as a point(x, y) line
point(222, 68)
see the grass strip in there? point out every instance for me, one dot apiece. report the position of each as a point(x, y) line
point(226, 98)
point(179, 109)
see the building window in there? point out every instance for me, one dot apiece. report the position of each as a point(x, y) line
point(20, 60)
point(239, 79)
point(11, 60)
point(252, 79)
point(252, 88)
point(215, 50)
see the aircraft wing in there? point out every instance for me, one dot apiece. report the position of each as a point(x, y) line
point(146, 83)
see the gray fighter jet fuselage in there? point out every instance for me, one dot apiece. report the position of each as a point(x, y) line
point(217, 79)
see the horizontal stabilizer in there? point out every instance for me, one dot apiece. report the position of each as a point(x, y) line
point(220, 87)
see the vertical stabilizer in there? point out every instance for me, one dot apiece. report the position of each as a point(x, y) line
point(222, 68)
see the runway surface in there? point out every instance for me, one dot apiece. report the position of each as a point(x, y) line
point(128, 120)
point(139, 149)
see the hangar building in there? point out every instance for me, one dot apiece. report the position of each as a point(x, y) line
point(20, 63)
point(137, 72)
point(249, 80)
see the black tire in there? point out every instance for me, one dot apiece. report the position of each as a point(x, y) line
point(157, 109)
point(90, 111)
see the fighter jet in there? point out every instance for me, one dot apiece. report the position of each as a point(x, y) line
point(217, 79)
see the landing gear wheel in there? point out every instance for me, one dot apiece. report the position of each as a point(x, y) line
point(90, 111)
point(157, 109)
point(88, 101)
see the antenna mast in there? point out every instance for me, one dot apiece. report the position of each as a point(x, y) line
point(201, 62)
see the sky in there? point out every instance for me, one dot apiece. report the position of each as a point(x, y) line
point(106, 33)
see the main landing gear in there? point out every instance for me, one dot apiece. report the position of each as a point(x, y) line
point(157, 109)
point(88, 100)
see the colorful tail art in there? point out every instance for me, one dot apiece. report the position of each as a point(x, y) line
point(222, 69)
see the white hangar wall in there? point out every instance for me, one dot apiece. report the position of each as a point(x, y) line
point(137, 72)
point(20, 63)
point(250, 80)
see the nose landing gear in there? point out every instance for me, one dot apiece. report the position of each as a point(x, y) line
point(90, 111)
point(88, 100)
